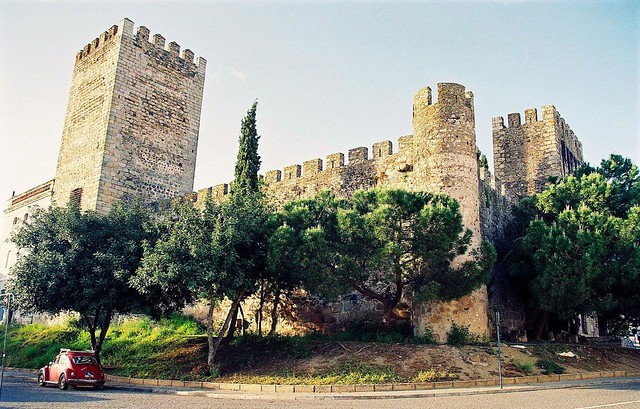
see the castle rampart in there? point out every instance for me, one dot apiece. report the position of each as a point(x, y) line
point(440, 156)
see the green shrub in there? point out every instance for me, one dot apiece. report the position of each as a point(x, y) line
point(299, 347)
point(374, 331)
point(434, 376)
point(459, 335)
point(526, 368)
point(549, 367)
point(355, 371)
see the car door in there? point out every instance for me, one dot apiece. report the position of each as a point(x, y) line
point(54, 369)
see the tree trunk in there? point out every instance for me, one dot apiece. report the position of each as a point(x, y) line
point(232, 324)
point(274, 312)
point(573, 328)
point(390, 306)
point(210, 339)
point(103, 333)
point(543, 320)
point(244, 329)
point(214, 345)
point(260, 308)
point(92, 332)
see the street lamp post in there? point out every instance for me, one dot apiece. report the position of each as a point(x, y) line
point(499, 349)
point(4, 344)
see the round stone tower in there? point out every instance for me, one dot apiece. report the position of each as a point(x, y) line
point(446, 160)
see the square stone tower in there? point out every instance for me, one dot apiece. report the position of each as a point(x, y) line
point(527, 154)
point(132, 121)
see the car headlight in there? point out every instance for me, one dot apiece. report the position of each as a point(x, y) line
point(72, 374)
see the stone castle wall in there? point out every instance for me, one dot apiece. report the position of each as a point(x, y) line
point(132, 121)
point(440, 157)
point(527, 154)
point(496, 204)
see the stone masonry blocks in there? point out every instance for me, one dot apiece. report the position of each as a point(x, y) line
point(357, 155)
point(526, 155)
point(382, 149)
point(335, 160)
point(311, 167)
point(292, 172)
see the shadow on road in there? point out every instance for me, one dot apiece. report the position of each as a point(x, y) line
point(15, 392)
point(633, 385)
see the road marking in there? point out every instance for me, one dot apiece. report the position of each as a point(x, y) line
point(609, 404)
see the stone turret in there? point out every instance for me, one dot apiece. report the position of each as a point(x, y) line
point(446, 160)
point(445, 143)
point(527, 154)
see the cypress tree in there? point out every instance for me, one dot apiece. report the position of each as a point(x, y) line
point(248, 162)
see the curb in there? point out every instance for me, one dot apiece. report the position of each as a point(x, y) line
point(390, 395)
point(395, 387)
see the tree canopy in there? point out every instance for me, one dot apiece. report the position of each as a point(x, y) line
point(248, 160)
point(81, 261)
point(215, 253)
point(580, 251)
point(385, 243)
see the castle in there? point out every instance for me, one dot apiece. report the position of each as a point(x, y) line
point(131, 130)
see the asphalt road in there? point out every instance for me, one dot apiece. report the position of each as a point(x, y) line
point(22, 392)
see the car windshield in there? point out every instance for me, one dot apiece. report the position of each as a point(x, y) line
point(79, 360)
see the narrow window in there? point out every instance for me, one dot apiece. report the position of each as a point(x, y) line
point(26, 217)
point(76, 196)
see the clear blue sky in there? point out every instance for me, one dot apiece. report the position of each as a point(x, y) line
point(330, 76)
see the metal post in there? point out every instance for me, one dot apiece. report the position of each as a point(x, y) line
point(499, 348)
point(4, 345)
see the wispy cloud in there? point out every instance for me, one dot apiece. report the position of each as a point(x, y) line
point(238, 74)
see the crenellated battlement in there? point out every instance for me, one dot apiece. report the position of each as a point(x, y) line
point(98, 42)
point(527, 154)
point(549, 115)
point(452, 103)
point(126, 29)
point(335, 162)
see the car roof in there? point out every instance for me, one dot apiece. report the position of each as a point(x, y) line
point(70, 352)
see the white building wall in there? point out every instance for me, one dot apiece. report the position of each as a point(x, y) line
point(19, 210)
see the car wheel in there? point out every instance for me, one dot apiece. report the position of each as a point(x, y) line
point(41, 381)
point(62, 382)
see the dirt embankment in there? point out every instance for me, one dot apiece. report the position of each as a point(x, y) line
point(291, 360)
point(406, 360)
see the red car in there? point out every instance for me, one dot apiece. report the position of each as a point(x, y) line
point(75, 368)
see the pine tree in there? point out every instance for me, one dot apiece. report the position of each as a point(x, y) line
point(248, 162)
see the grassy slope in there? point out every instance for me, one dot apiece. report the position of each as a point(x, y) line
point(176, 349)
